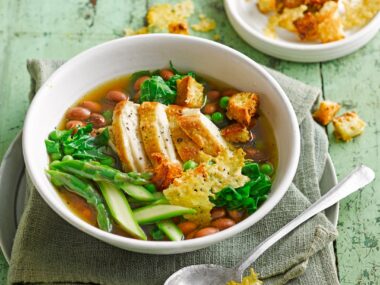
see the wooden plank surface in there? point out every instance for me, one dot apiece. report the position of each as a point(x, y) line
point(58, 29)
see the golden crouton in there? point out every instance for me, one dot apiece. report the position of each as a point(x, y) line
point(326, 112)
point(307, 27)
point(178, 28)
point(331, 30)
point(348, 125)
point(236, 133)
point(293, 3)
point(164, 171)
point(266, 6)
point(242, 107)
point(189, 93)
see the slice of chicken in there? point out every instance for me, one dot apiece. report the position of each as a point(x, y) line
point(202, 131)
point(186, 148)
point(155, 131)
point(127, 138)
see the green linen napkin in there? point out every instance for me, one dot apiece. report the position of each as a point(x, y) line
point(47, 250)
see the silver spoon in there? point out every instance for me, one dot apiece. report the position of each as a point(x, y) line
point(210, 274)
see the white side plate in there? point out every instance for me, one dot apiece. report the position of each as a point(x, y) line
point(13, 193)
point(250, 23)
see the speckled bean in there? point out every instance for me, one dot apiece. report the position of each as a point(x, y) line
point(222, 223)
point(116, 96)
point(78, 114)
point(205, 232)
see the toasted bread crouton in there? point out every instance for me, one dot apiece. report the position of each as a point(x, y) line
point(236, 133)
point(178, 28)
point(326, 112)
point(293, 3)
point(164, 171)
point(266, 6)
point(202, 131)
point(186, 148)
point(348, 125)
point(330, 30)
point(189, 93)
point(330, 27)
point(242, 106)
point(307, 27)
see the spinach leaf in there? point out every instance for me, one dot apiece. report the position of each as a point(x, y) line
point(80, 145)
point(155, 89)
point(247, 197)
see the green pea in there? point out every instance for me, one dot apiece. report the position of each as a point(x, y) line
point(67, 157)
point(223, 103)
point(56, 156)
point(267, 168)
point(217, 117)
point(190, 164)
point(151, 187)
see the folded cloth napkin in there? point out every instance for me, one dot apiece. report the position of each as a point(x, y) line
point(47, 250)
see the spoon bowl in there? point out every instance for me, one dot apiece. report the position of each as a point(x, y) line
point(203, 274)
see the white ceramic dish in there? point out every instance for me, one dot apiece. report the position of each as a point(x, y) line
point(124, 56)
point(250, 23)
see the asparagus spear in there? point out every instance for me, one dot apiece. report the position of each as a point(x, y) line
point(97, 172)
point(86, 191)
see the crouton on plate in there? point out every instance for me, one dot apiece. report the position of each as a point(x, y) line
point(236, 133)
point(326, 112)
point(348, 126)
point(189, 93)
point(242, 107)
point(266, 6)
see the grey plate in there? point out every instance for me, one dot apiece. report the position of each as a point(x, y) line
point(13, 192)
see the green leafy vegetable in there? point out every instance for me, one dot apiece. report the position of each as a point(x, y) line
point(249, 196)
point(157, 234)
point(155, 89)
point(80, 145)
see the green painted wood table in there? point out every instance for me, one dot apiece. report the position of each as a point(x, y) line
point(60, 29)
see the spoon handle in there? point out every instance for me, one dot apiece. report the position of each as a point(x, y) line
point(359, 178)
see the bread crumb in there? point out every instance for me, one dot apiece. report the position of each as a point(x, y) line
point(348, 126)
point(205, 24)
point(326, 112)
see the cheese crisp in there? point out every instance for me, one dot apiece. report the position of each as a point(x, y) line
point(195, 186)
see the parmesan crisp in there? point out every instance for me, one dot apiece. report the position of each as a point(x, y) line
point(194, 188)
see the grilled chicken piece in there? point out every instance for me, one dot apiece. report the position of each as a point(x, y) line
point(202, 131)
point(186, 148)
point(155, 132)
point(127, 139)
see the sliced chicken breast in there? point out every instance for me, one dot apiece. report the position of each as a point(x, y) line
point(155, 131)
point(127, 138)
point(202, 131)
point(186, 148)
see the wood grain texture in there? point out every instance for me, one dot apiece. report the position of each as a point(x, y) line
point(58, 29)
point(355, 82)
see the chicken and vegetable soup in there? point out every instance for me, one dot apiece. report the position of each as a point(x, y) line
point(163, 155)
